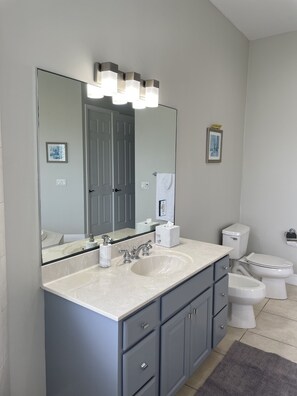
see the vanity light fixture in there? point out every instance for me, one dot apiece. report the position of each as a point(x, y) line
point(152, 93)
point(120, 98)
point(106, 75)
point(140, 102)
point(132, 81)
point(94, 92)
point(123, 87)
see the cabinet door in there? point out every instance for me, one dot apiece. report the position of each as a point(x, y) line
point(200, 329)
point(174, 352)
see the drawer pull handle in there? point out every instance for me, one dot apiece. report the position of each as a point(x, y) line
point(225, 267)
point(143, 366)
point(223, 294)
point(194, 311)
point(189, 315)
point(144, 326)
point(222, 327)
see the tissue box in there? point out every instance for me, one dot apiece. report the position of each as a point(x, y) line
point(167, 235)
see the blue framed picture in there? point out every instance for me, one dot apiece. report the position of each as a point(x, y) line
point(56, 152)
point(214, 141)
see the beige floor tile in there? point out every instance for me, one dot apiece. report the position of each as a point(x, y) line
point(258, 307)
point(268, 345)
point(201, 374)
point(277, 328)
point(292, 292)
point(186, 391)
point(285, 308)
point(233, 334)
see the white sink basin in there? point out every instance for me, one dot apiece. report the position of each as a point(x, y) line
point(161, 264)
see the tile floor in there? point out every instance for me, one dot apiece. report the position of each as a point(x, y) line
point(276, 332)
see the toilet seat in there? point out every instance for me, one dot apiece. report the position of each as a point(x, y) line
point(264, 260)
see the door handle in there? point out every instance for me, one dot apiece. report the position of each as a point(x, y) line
point(117, 189)
point(91, 191)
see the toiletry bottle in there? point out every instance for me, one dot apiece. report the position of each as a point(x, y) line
point(91, 243)
point(105, 252)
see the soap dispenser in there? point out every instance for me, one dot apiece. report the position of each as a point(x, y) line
point(105, 252)
point(91, 243)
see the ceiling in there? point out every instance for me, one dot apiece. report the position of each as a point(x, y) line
point(260, 18)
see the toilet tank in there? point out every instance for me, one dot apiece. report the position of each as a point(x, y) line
point(236, 236)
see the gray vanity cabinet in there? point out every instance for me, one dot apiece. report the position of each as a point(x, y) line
point(200, 329)
point(175, 352)
point(150, 352)
point(220, 305)
point(185, 342)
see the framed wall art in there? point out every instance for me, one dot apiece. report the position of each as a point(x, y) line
point(214, 141)
point(56, 152)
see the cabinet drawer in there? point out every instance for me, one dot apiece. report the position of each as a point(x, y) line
point(150, 389)
point(140, 324)
point(221, 267)
point(220, 294)
point(139, 365)
point(219, 326)
point(186, 292)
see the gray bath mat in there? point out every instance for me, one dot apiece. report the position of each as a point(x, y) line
point(248, 371)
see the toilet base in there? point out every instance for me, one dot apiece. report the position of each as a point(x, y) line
point(275, 288)
point(241, 316)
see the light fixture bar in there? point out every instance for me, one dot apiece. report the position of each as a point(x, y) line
point(126, 87)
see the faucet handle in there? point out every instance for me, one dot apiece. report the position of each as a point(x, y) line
point(146, 248)
point(127, 255)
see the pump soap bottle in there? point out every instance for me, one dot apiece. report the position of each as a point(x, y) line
point(105, 252)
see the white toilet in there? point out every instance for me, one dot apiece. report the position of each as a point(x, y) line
point(243, 293)
point(271, 270)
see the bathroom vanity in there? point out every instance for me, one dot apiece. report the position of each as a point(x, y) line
point(113, 332)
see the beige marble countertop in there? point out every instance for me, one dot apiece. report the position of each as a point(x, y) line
point(116, 292)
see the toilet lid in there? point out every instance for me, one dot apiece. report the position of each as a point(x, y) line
point(264, 260)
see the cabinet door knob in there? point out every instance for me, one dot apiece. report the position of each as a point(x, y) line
point(225, 267)
point(143, 366)
point(223, 294)
point(222, 327)
point(144, 325)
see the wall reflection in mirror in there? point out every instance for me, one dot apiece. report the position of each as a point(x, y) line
point(114, 172)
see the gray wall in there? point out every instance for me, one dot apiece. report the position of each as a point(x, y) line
point(269, 188)
point(60, 120)
point(4, 367)
point(201, 62)
point(155, 141)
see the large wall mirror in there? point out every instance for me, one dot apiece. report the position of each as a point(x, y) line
point(101, 167)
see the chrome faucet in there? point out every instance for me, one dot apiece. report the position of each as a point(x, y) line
point(145, 247)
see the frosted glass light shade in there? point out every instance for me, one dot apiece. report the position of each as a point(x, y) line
point(140, 102)
point(152, 93)
point(94, 92)
point(106, 75)
point(132, 86)
point(109, 81)
point(120, 98)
